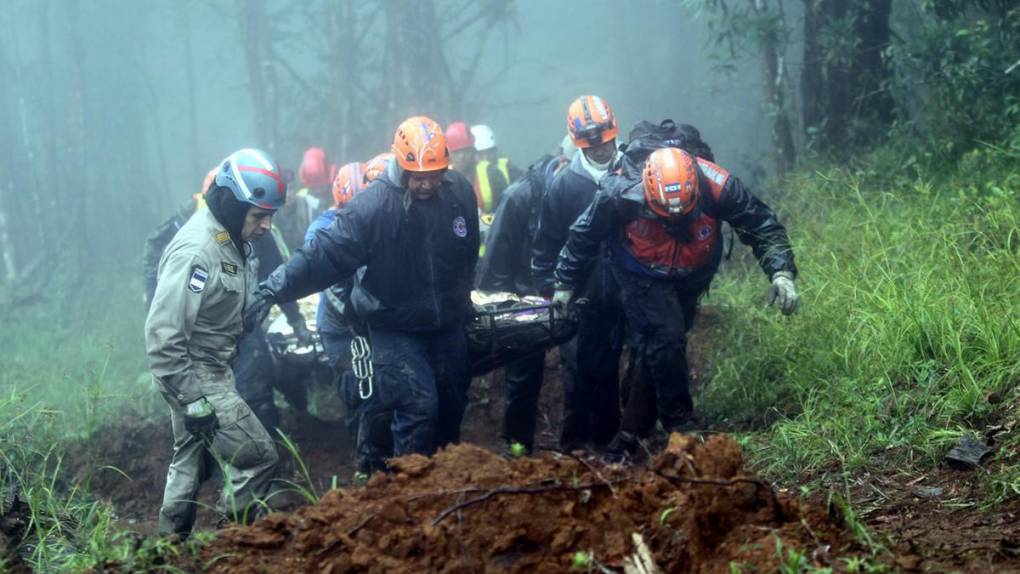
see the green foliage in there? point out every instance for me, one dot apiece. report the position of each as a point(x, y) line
point(909, 319)
point(962, 68)
point(68, 369)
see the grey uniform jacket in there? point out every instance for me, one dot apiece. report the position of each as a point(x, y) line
point(195, 320)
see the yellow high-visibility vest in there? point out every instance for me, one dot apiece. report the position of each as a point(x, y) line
point(484, 191)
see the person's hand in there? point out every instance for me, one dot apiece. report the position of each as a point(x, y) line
point(563, 295)
point(304, 336)
point(785, 292)
point(257, 309)
point(200, 419)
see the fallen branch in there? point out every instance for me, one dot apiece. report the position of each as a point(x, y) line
point(518, 490)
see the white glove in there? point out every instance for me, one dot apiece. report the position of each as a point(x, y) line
point(563, 296)
point(785, 292)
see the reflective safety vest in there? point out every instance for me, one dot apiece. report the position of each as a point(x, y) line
point(483, 188)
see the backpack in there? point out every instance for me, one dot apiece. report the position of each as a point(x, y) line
point(646, 137)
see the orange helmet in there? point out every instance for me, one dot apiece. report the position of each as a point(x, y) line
point(376, 166)
point(209, 179)
point(349, 180)
point(590, 122)
point(671, 182)
point(420, 145)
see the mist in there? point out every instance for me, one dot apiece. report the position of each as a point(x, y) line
point(112, 111)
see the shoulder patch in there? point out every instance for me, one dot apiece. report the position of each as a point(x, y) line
point(222, 237)
point(228, 268)
point(197, 279)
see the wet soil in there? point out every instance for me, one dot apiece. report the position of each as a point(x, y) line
point(469, 510)
point(926, 529)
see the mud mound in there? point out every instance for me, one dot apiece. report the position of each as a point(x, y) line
point(126, 464)
point(469, 510)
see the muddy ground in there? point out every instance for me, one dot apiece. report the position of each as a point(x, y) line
point(933, 523)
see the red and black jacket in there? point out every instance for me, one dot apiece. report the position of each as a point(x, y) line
point(688, 252)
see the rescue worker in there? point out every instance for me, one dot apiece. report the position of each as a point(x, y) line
point(660, 225)
point(252, 366)
point(305, 205)
point(591, 405)
point(372, 439)
point(376, 167)
point(462, 147)
point(410, 239)
point(493, 173)
point(506, 267)
point(191, 334)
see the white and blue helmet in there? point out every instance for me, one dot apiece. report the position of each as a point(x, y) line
point(254, 178)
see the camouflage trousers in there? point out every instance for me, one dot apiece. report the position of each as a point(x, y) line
point(244, 451)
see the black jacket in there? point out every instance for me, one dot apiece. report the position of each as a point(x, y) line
point(569, 195)
point(621, 202)
point(418, 257)
point(506, 265)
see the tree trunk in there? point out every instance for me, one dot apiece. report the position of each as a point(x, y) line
point(874, 104)
point(189, 70)
point(783, 150)
point(812, 96)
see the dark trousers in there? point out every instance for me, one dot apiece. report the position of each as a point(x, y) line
point(422, 379)
point(253, 371)
point(373, 441)
point(523, 384)
point(658, 316)
point(591, 402)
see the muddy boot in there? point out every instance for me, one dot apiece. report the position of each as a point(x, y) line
point(622, 448)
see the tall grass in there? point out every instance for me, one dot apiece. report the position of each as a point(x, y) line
point(910, 321)
point(70, 365)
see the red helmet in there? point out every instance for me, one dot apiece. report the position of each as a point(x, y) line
point(420, 145)
point(314, 170)
point(376, 166)
point(590, 122)
point(458, 136)
point(671, 182)
point(349, 180)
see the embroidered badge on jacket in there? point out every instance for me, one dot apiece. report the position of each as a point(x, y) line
point(196, 283)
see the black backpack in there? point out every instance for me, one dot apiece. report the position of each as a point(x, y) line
point(646, 137)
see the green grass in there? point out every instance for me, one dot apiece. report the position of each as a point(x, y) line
point(71, 365)
point(910, 285)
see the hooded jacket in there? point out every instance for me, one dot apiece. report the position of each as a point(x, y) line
point(569, 195)
point(418, 256)
point(688, 252)
point(506, 265)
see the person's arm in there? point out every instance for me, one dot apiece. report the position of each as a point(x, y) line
point(183, 283)
point(510, 223)
point(270, 258)
point(597, 223)
point(757, 226)
point(549, 239)
point(155, 244)
point(334, 253)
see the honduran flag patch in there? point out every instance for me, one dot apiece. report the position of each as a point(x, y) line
point(197, 281)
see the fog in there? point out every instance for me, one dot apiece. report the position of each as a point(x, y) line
point(111, 111)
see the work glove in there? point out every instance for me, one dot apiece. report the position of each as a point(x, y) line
point(563, 295)
point(304, 336)
point(200, 419)
point(258, 309)
point(784, 291)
